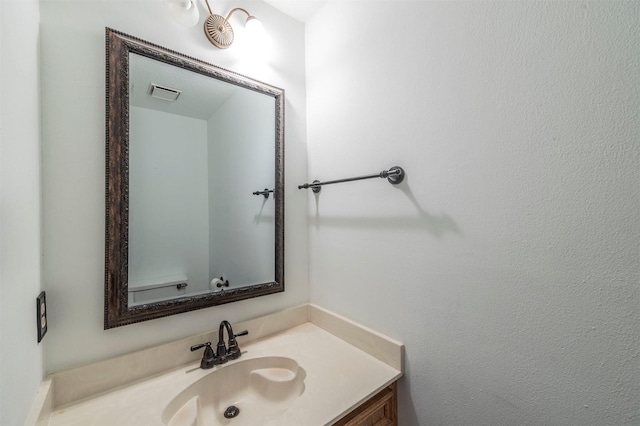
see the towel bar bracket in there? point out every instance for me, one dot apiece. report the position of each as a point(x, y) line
point(315, 187)
point(394, 175)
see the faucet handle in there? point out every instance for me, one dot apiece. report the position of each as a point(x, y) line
point(232, 338)
point(200, 346)
point(234, 350)
point(208, 358)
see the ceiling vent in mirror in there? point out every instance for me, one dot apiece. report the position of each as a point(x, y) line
point(164, 93)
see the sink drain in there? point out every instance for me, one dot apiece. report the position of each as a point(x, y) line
point(231, 412)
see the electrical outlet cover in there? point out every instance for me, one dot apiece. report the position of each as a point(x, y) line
point(41, 316)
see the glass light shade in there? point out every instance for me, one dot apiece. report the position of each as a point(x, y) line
point(256, 36)
point(254, 26)
point(184, 12)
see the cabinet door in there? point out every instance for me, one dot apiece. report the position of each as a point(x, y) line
point(379, 410)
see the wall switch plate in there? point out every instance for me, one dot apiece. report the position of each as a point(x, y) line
point(41, 315)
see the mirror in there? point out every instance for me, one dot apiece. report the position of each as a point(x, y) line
point(194, 184)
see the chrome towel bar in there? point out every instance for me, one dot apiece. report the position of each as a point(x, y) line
point(264, 193)
point(394, 175)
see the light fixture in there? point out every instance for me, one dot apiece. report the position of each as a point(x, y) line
point(185, 12)
point(219, 30)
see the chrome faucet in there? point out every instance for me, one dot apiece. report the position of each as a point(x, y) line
point(222, 354)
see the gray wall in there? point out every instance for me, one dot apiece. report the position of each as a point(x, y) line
point(20, 209)
point(508, 261)
point(241, 161)
point(168, 198)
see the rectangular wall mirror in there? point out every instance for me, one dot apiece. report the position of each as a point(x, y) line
point(194, 184)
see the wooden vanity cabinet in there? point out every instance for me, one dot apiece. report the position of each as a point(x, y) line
point(379, 410)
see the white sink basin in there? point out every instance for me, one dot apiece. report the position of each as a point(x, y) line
point(260, 389)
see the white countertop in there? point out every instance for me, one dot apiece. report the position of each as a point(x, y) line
point(339, 377)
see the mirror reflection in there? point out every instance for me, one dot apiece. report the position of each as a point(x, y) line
point(198, 149)
point(195, 207)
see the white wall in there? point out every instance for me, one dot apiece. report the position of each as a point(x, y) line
point(242, 161)
point(72, 44)
point(20, 219)
point(168, 198)
point(508, 261)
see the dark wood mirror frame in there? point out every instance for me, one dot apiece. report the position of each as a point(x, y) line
point(116, 310)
